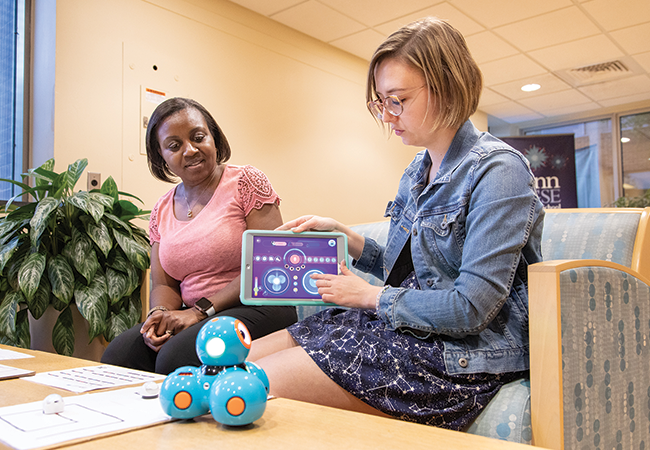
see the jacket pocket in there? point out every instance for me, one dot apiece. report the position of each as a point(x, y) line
point(445, 233)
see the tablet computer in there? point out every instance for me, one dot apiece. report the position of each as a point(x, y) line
point(277, 266)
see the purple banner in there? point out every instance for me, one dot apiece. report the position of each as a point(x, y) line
point(552, 159)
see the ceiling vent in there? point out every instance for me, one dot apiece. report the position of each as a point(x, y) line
point(596, 73)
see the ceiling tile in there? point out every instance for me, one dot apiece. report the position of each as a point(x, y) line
point(362, 44)
point(494, 13)
point(625, 100)
point(623, 87)
point(572, 109)
point(556, 100)
point(549, 83)
point(644, 60)
point(444, 11)
point(634, 39)
point(511, 112)
point(510, 69)
point(375, 12)
point(318, 20)
point(549, 29)
point(489, 97)
point(487, 46)
point(614, 15)
point(583, 52)
point(267, 7)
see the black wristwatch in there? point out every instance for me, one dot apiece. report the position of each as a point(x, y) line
point(205, 306)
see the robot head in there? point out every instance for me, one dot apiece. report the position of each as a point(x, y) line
point(223, 341)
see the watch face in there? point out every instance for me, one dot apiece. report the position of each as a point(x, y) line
point(203, 303)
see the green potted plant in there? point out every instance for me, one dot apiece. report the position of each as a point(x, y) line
point(634, 202)
point(70, 248)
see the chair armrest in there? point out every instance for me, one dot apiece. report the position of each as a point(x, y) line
point(583, 315)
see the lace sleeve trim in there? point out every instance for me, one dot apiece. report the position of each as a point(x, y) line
point(154, 236)
point(255, 189)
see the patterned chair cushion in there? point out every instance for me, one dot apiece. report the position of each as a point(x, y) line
point(605, 319)
point(605, 236)
point(507, 416)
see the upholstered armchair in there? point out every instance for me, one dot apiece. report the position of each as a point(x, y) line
point(589, 331)
point(563, 393)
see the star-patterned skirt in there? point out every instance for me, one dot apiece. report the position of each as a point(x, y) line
point(394, 372)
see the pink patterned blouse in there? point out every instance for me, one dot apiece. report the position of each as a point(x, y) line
point(204, 254)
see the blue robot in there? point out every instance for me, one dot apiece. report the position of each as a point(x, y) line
point(233, 390)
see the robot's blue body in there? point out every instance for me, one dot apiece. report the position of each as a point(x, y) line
point(232, 389)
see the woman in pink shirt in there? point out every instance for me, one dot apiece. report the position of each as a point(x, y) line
point(195, 232)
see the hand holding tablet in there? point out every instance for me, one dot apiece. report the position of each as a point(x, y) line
point(277, 266)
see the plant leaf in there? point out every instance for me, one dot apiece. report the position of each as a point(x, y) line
point(119, 222)
point(109, 187)
point(59, 185)
point(83, 256)
point(135, 278)
point(7, 251)
point(82, 200)
point(124, 265)
point(40, 218)
point(118, 323)
point(25, 212)
point(42, 176)
point(75, 170)
point(79, 200)
point(101, 236)
point(136, 253)
point(63, 333)
point(135, 310)
point(8, 311)
point(41, 299)
point(61, 277)
point(58, 304)
point(16, 183)
point(14, 266)
point(23, 338)
point(29, 274)
point(93, 304)
point(105, 200)
point(117, 285)
point(126, 194)
point(9, 227)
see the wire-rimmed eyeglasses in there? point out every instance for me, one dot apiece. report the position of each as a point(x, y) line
point(391, 103)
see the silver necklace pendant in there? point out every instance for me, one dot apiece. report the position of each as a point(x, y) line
point(189, 213)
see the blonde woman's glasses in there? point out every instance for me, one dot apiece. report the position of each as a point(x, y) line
point(392, 104)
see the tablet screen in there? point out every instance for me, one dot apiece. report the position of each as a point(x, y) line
point(280, 266)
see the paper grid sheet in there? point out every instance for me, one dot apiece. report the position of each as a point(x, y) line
point(84, 379)
point(25, 426)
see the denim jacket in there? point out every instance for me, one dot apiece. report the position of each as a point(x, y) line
point(474, 230)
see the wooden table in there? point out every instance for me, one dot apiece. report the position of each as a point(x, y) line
point(285, 424)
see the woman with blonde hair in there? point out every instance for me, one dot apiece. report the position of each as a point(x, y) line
point(450, 326)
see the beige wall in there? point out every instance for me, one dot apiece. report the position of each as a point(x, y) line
point(289, 104)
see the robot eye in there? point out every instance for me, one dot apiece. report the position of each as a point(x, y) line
point(244, 335)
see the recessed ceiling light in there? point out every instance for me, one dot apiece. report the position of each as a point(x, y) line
point(530, 87)
point(625, 140)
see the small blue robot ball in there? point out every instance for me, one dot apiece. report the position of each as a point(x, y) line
point(184, 395)
point(259, 373)
point(237, 397)
point(223, 341)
